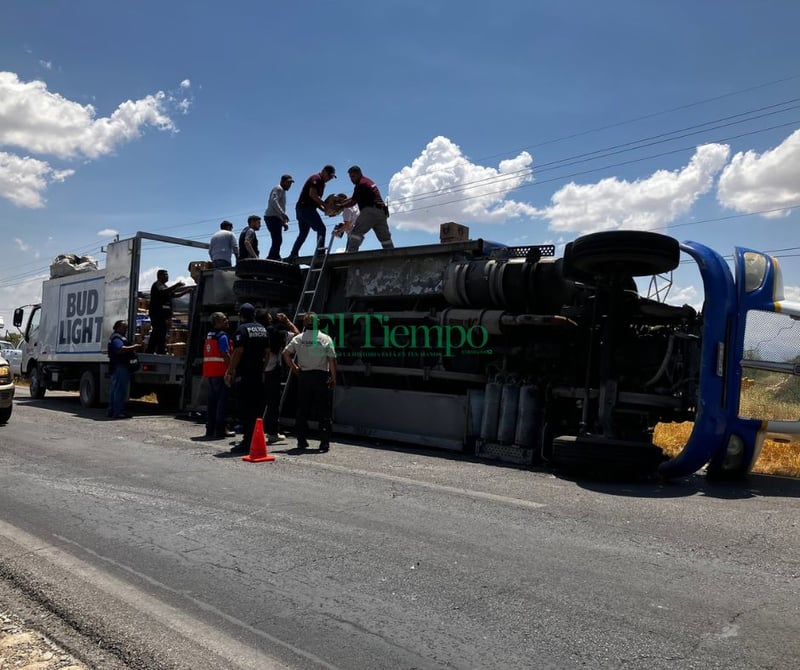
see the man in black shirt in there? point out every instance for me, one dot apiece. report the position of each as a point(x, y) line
point(373, 213)
point(248, 240)
point(160, 310)
point(246, 371)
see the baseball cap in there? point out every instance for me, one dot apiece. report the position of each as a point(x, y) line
point(287, 177)
point(330, 170)
point(247, 310)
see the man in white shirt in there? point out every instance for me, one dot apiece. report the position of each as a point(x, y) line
point(223, 245)
point(275, 216)
point(312, 359)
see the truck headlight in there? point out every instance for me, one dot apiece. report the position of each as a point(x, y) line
point(734, 453)
point(755, 269)
point(5, 373)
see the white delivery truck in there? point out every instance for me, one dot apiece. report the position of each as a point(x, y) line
point(65, 336)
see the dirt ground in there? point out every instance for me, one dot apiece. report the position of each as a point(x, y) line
point(23, 648)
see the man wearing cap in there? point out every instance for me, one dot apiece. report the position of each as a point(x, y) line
point(373, 212)
point(246, 370)
point(223, 245)
point(308, 204)
point(275, 216)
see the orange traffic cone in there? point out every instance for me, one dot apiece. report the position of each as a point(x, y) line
point(258, 445)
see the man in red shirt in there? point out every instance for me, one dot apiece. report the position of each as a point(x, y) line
point(373, 212)
point(307, 210)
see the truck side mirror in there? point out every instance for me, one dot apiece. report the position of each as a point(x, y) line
point(18, 313)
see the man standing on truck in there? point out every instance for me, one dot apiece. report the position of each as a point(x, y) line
point(373, 212)
point(248, 240)
point(160, 310)
point(246, 370)
point(312, 359)
point(275, 216)
point(308, 203)
point(216, 357)
point(223, 245)
point(119, 357)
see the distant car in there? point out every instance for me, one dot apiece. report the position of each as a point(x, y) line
point(6, 391)
point(13, 355)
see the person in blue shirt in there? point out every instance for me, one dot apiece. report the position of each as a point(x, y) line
point(119, 356)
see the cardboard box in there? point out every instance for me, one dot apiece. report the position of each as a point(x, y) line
point(453, 232)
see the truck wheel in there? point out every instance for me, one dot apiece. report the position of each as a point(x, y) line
point(253, 289)
point(264, 268)
point(636, 253)
point(88, 389)
point(5, 414)
point(598, 456)
point(36, 383)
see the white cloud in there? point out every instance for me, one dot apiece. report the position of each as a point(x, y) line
point(645, 204)
point(442, 185)
point(23, 179)
point(186, 83)
point(45, 123)
point(107, 232)
point(755, 182)
point(22, 245)
point(46, 64)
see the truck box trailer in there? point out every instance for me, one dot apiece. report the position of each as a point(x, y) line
point(65, 336)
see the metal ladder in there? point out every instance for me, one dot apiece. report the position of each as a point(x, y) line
point(307, 297)
point(310, 285)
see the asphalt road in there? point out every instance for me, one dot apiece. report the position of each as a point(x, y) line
point(153, 552)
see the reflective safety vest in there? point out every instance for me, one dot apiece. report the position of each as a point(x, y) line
point(214, 364)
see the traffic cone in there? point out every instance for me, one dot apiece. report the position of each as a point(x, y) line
point(258, 445)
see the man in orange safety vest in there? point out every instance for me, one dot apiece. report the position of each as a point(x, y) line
point(216, 356)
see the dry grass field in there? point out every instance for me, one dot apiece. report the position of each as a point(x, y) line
point(777, 457)
point(764, 396)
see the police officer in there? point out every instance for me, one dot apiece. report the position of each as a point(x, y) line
point(246, 370)
point(312, 359)
point(216, 358)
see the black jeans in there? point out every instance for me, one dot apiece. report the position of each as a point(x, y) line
point(157, 343)
point(313, 402)
point(272, 393)
point(250, 397)
point(275, 228)
point(308, 218)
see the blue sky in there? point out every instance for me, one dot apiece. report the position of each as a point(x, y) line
point(525, 120)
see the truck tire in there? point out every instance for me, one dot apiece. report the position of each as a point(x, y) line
point(36, 383)
point(253, 289)
point(598, 456)
point(264, 268)
point(89, 389)
point(636, 253)
point(5, 414)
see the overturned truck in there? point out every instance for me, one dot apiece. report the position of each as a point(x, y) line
point(513, 354)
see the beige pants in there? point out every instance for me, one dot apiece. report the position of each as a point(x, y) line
point(370, 218)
